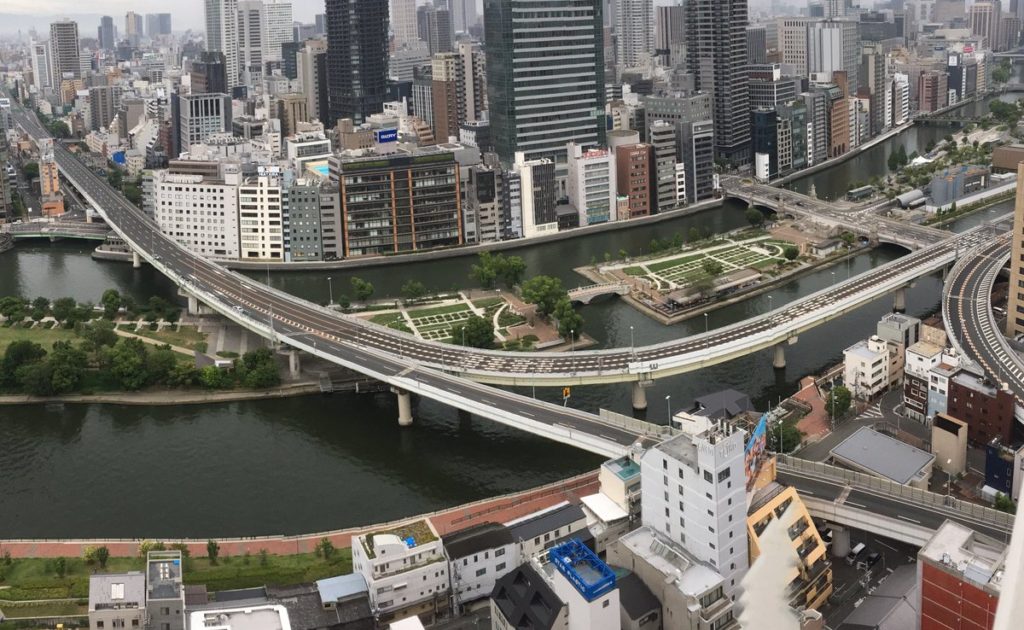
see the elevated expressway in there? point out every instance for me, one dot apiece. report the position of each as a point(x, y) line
point(967, 313)
point(454, 375)
point(58, 229)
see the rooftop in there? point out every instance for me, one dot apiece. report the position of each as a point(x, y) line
point(862, 351)
point(636, 599)
point(890, 606)
point(882, 455)
point(414, 534)
point(974, 382)
point(526, 600)
point(604, 508)
point(476, 539)
point(925, 349)
point(341, 587)
point(691, 577)
point(591, 577)
point(306, 611)
point(727, 403)
point(264, 617)
point(117, 590)
point(624, 468)
point(163, 569)
point(976, 558)
point(546, 521)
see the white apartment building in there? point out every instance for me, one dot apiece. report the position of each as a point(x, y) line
point(536, 211)
point(261, 216)
point(200, 214)
point(634, 29)
point(405, 570)
point(866, 367)
point(538, 532)
point(693, 494)
point(41, 65)
point(477, 557)
point(277, 26)
point(222, 35)
point(117, 600)
point(306, 147)
point(591, 184)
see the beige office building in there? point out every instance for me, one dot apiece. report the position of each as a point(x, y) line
point(1015, 298)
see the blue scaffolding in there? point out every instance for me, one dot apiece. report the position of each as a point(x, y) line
point(584, 570)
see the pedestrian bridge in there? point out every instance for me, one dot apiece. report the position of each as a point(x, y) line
point(584, 295)
point(57, 229)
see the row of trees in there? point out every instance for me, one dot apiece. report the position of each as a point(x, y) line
point(121, 363)
point(68, 312)
point(552, 300)
point(491, 268)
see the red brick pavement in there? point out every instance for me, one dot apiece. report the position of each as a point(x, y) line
point(498, 509)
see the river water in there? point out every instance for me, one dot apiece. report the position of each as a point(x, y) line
point(317, 463)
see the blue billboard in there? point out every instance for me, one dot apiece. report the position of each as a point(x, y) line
point(386, 135)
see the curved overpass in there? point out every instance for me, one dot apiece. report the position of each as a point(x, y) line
point(967, 313)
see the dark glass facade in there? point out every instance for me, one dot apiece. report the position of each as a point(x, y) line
point(357, 58)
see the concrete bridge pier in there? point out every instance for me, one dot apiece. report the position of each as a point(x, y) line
point(779, 358)
point(294, 363)
point(900, 300)
point(136, 261)
point(404, 407)
point(640, 395)
point(193, 305)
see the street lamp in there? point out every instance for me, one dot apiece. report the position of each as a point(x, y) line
point(632, 346)
point(770, 302)
point(706, 323)
point(949, 481)
point(668, 407)
point(572, 345)
point(833, 278)
point(330, 292)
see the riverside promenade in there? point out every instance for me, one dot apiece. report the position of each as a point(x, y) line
point(497, 509)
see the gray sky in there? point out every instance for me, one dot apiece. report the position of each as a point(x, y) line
point(186, 13)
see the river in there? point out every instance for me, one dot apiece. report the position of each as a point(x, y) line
point(317, 463)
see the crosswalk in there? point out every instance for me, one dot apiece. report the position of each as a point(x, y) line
point(874, 412)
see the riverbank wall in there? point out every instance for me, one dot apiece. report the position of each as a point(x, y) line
point(496, 509)
point(167, 397)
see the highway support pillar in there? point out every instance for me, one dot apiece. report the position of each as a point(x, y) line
point(294, 365)
point(779, 358)
point(404, 407)
point(639, 395)
point(88, 215)
point(193, 305)
point(136, 261)
point(900, 300)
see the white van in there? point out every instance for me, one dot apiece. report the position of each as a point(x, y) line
point(858, 549)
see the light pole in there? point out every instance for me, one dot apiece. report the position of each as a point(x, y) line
point(771, 303)
point(949, 481)
point(330, 292)
point(572, 345)
point(632, 345)
point(833, 278)
point(668, 407)
point(707, 339)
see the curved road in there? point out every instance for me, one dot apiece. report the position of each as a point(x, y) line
point(967, 312)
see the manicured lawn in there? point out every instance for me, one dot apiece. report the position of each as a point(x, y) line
point(35, 578)
point(485, 303)
point(185, 336)
point(673, 262)
point(42, 336)
point(439, 310)
point(634, 271)
point(54, 609)
point(386, 319)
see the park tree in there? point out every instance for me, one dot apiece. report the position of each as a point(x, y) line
point(128, 364)
point(18, 354)
point(838, 401)
point(67, 365)
point(693, 235)
point(41, 304)
point(544, 292)
point(13, 308)
point(484, 272)
point(413, 290)
point(476, 332)
point(570, 323)
point(63, 308)
point(361, 289)
point(111, 302)
point(160, 362)
point(98, 334)
point(61, 567)
point(58, 129)
point(511, 270)
point(36, 379)
point(102, 555)
point(31, 170)
point(325, 548)
point(785, 437)
point(490, 268)
point(754, 217)
point(257, 369)
point(212, 551)
point(212, 377)
point(791, 252)
point(711, 267)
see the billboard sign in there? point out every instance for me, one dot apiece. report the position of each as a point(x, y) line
point(384, 136)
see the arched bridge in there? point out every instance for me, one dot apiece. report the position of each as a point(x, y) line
point(584, 295)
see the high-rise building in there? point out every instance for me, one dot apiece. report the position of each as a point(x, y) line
point(793, 136)
point(670, 35)
point(667, 181)
point(691, 114)
point(399, 202)
point(545, 77)
point(158, 24)
point(195, 117)
point(834, 46)
point(872, 81)
point(305, 231)
point(793, 41)
point(757, 44)
point(292, 109)
point(222, 36)
point(104, 101)
point(532, 195)
point(251, 41)
point(634, 32)
point(311, 68)
point(765, 144)
point(106, 34)
point(984, 21)
point(277, 27)
point(357, 58)
point(434, 26)
point(403, 23)
point(932, 90)
point(633, 178)
point(64, 52)
point(591, 184)
point(960, 576)
point(1015, 304)
point(209, 75)
point(165, 595)
point(200, 212)
point(42, 65)
point(768, 88)
point(448, 95)
point(262, 216)
point(464, 15)
point(817, 126)
point(716, 55)
point(133, 27)
point(693, 493)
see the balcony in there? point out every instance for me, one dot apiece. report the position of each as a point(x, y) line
point(716, 608)
point(798, 528)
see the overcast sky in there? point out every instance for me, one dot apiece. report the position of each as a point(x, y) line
point(186, 13)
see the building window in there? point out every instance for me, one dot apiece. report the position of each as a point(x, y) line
point(481, 572)
point(500, 567)
point(723, 475)
point(707, 476)
point(99, 624)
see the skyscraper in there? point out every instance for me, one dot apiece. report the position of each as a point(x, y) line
point(634, 29)
point(277, 26)
point(222, 36)
point(42, 66)
point(106, 34)
point(209, 75)
point(158, 24)
point(357, 58)
point(311, 68)
point(670, 34)
point(716, 55)
point(64, 52)
point(1016, 297)
point(984, 18)
point(133, 27)
point(434, 26)
point(251, 40)
point(403, 22)
point(545, 78)
point(464, 15)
